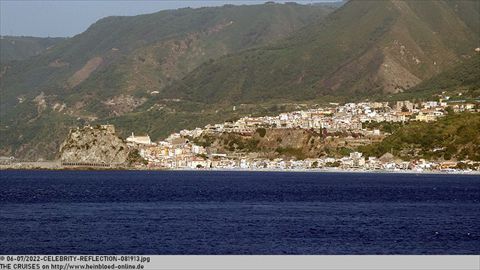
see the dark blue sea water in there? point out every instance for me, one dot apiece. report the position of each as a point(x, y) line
point(130, 212)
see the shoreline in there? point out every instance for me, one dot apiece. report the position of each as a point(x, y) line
point(329, 171)
point(267, 170)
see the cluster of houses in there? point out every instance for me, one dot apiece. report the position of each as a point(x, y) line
point(338, 118)
point(179, 152)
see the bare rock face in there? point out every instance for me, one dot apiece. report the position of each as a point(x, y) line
point(83, 73)
point(94, 145)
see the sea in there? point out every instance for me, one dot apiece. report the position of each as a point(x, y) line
point(214, 212)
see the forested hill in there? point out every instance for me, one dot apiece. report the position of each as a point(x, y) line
point(452, 137)
point(20, 48)
point(124, 59)
point(363, 48)
point(175, 69)
point(463, 79)
point(119, 63)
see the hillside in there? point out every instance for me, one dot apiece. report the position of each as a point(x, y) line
point(363, 48)
point(452, 137)
point(119, 63)
point(20, 48)
point(162, 72)
point(282, 143)
point(462, 79)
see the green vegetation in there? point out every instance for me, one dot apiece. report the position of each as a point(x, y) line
point(464, 166)
point(239, 144)
point(339, 56)
point(204, 141)
point(147, 52)
point(140, 54)
point(40, 138)
point(344, 151)
point(135, 158)
point(20, 48)
point(291, 152)
point(333, 164)
point(261, 132)
point(452, 137)
point(463, 78)
point(203, 61)
point(388, 127)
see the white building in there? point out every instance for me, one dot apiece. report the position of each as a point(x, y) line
point(139, 139)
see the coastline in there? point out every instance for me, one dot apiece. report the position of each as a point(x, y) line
point(329, 170)
point(51, 166)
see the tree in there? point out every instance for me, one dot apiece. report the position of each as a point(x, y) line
point(261, 132)
point(135, 157)
point(449, 110)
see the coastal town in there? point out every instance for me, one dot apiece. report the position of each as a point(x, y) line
point(351, 124)
point(180, 150)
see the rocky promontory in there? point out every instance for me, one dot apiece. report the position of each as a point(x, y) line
point(94, 146)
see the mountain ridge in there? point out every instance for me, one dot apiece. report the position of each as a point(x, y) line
point(397, 48)
point(361, 50)
point(14, 48)
point(120, 62)
point(108, 58)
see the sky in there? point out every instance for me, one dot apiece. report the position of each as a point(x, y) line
point(66, 18)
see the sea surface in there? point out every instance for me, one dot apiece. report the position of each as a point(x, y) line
point(174, 212)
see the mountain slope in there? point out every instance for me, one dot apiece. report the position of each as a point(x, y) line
point(463, 78)
point(156, 74)
point(20, 48)
point(119, 63)
point(451, 137)
point(362, 48)
point(122, 60)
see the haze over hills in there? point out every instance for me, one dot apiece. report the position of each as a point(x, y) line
point(20, 48)
point(170, 70)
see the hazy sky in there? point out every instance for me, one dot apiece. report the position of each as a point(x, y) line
point(66, 18)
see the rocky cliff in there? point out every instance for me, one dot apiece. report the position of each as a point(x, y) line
point(285, 143)
point(94, 145)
